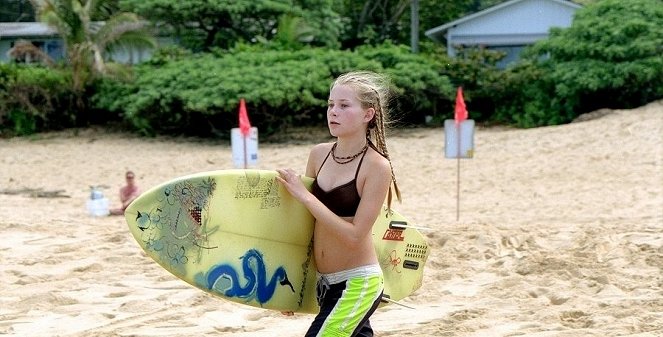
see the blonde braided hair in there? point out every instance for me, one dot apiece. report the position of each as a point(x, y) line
point(373, 92)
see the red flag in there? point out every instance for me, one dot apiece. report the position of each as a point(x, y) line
point(460, 111)
point(244, 124)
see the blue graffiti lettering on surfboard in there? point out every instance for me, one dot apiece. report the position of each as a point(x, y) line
point(226, 280)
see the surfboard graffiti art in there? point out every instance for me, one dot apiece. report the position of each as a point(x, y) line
point(251, 283)
point(176, 226)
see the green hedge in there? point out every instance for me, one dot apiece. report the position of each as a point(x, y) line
point(199, 94)
point(33, 99)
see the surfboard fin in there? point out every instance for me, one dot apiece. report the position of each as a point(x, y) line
point(385, 298)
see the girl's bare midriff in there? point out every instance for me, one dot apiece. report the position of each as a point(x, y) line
point(330, 258)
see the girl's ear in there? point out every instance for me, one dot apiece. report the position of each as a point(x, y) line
point(369, 114)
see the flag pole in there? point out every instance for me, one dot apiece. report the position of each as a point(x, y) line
point(458, 173)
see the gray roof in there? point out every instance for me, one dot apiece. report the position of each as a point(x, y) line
point(25, 29)
point(437, 31)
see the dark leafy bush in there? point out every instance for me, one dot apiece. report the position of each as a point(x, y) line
point(475, 70)
point(524, 99)
point(34, 99)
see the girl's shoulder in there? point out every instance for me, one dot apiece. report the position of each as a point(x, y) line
point(376, 159)
point(321, 149)
point(316, 156)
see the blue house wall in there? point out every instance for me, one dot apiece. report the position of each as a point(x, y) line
point(507, 27)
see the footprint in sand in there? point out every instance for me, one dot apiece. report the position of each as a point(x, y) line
point(576, 319)
point(45, 301)
point(229, 329)
point(91, 268)
point(464, 315)
point(118, 294)
point(558, 299)
point(256, 316)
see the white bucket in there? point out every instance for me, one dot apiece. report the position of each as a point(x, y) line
point(97, 205)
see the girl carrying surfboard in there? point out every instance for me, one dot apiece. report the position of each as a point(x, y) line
point(353, 177)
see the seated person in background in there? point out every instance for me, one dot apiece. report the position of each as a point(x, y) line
point(127, 193)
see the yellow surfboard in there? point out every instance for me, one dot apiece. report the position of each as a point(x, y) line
point(239, 235)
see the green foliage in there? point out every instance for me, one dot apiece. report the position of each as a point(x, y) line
point(34, 99)
point(204, 24)
point(475, 70)
point(421, 88)
point(523, 99)
point(292, 33)
point(262, 51)
point(373, 22)
point(16, 11)
point(609, 57)
point(324, 23)
point(199, 95)
point(585, 2)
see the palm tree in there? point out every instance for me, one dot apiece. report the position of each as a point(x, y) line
point(89, 44)
point(293, 32)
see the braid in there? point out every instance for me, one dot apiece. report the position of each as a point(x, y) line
point(381, 146)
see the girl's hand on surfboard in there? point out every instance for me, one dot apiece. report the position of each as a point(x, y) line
point(288, 313)
point(293, 183)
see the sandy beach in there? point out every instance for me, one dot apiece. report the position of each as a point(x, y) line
point(560, 234)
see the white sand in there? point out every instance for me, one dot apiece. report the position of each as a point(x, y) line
point(560, 234)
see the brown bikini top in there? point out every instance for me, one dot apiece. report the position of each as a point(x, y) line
point(343, 200)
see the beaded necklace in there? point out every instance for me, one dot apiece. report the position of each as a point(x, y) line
point(345, 160)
